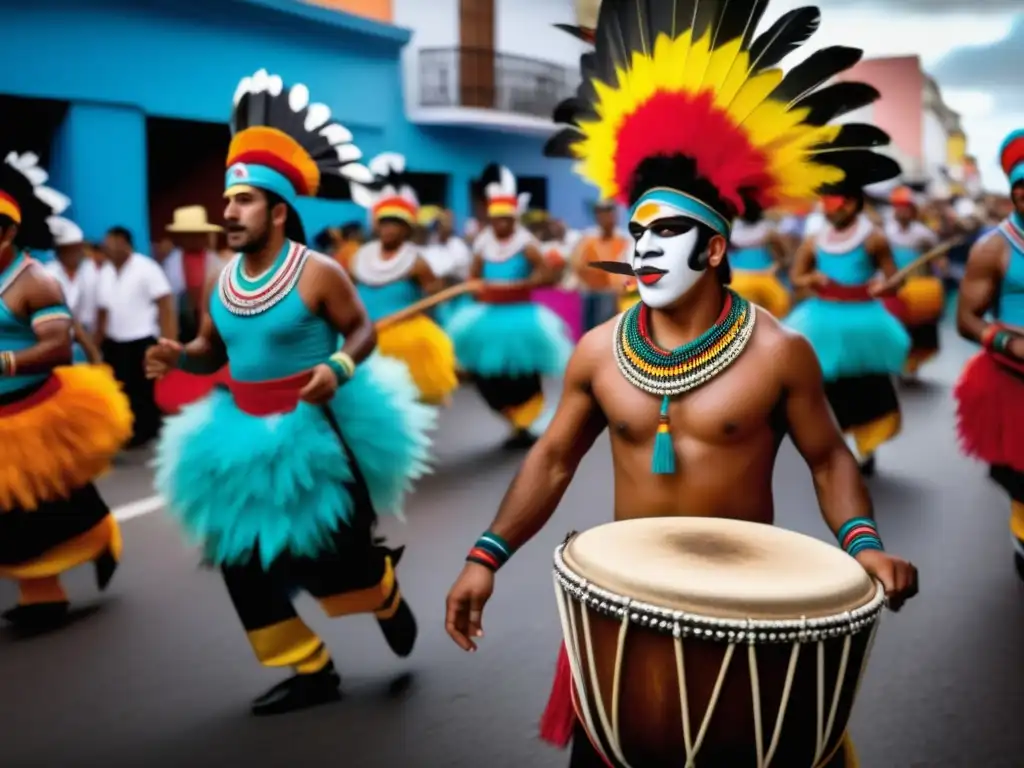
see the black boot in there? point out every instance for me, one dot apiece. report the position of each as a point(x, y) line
point(867, 466)
point(105, 565)
point(37, 616)
point(399, 628)
point(300, 692)
point(520, 440)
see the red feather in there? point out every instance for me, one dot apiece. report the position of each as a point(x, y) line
point(1013, 153)
point(681, 123)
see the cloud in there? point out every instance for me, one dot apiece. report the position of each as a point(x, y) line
point(928, 6)
point(994, 66)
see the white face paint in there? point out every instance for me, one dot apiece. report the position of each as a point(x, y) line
point(669, 253)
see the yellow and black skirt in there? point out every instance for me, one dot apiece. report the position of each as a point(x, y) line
point(763, 288)
point(427, 352)
point(56, 437)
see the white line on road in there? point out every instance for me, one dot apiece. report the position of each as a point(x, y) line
point(138, 508)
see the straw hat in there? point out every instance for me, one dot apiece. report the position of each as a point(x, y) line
point(191, 220)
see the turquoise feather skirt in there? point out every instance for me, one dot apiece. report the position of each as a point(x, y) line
point(851, 338)
point(510, 339)
point(241, 485)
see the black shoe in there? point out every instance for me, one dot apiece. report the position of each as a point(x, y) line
point(37, 616)
point(520, 440)
point(300, 692)
point(867, 467)
point(400, 630)
point(1018, 561)
point(105, 566)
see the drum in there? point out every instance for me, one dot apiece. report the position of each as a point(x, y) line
point(713, 643)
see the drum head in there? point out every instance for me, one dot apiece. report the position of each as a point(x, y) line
point(718, 568)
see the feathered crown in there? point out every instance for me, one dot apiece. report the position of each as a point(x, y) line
point(26, 199)
point(682, 107)
point(502, 193)
point(391, 195)
point(1011, 156)
point(284, 144)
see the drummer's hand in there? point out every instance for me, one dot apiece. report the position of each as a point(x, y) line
point(878, 288)
point(1015, 348)
point(162, 358)
point(321, 386)
point(898, 577)
point(466, 602)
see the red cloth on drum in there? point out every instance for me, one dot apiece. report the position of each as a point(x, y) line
point(178, 389)
point(990, 410)
point(559, 718)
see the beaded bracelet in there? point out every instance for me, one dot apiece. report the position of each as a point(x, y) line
point(996, 339)
point(343, 365)
point(491, 551)
point(8, 364)
point(858, 535)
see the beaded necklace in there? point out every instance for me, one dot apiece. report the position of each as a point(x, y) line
point(669, 374)
point(243, 295)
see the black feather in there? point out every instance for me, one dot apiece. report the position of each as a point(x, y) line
point(817, 69)
point(737, 19)
point(862, 168)
point(33, 231)
point(491, 174)
point(854, 136)
point(783, 37)
point(561, 144)
point(835, 101)
point(580, 33)
point(569, 111)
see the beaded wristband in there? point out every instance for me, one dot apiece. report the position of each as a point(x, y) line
point(7, 364)
point(491, 551)
point(996, 339)
point(858, 535)
point(343, 365)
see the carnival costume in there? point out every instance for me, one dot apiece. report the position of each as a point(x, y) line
point(859, 344)
point(504, 340)
point(921, 300)
point(281, 494)
point(990, 391)
point(387, 284)
point(754, 267)
point(59, 430)
point(683, 114)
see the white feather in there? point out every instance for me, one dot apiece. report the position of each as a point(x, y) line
point(357, 173)
point(244, 87)
point(12, 159)
point(524, 201)
point(386, 163)
point(57, 201)
point(409, 194)
point(275, 85)
point(27, 160)
point(348, 153)
point(317, 115)
point(508, 181)
point(36, 175)
point(298, 97)
point(361, 195)
point(336, 133)
point(64, 231)
point(388, 190)
point(493, 190)
point(260, 81)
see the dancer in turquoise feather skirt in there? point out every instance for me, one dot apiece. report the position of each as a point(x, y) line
point(505, 340)
point(859, 344)
point(279, 477)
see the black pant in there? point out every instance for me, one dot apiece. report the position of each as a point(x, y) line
point(127, 359)
point(860, 400)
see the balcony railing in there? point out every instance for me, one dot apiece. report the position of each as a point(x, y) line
point(485, 79)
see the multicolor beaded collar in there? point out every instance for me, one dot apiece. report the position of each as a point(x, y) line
point(668, 374)
point(243, 295)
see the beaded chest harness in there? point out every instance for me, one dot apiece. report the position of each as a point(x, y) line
point(669, 374)
point(243, 295)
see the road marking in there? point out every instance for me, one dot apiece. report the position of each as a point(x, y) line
point(138, 508)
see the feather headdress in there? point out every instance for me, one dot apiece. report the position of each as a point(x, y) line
point(25, 198)
point(502, 192)
point(391, 195)
point(1011, 156)
point(283, 143)
point(682, 107)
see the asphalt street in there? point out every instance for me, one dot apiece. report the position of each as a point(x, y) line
point(157, 671)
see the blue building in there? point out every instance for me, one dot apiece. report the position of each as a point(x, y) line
point(127, 105)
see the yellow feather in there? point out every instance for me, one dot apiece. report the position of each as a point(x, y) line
point(751, 95)
point(721, 64)
point(697, 63)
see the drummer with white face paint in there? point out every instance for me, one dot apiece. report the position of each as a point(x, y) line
point(695, 386)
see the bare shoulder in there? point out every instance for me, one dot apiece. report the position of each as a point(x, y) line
point(785, 352)
point(988, 251)
point(593, 350)
point(43, 285)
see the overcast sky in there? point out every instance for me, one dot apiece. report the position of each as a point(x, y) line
point(976, 56)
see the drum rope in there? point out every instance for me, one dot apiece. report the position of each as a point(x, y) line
point(684, 699)
point(843, 662)
point(691, 759)
point(602, 713)
point(787, 689)
point(575, 663)
point(620, 651)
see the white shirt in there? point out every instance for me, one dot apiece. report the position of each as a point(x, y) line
point(129, 297)
point(80, 292)
point(451, 259)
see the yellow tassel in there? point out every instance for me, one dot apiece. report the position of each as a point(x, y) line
point(65, 441)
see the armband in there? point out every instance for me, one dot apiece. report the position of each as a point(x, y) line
point(8, 366)
point(343, 365)
point(491, 551)
point(996, 339)
point(859, 535)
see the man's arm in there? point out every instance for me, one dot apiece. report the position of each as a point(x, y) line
point(476, 267)
point(425, 277)
point(160, 292)
point(878, 247)
point(550, 465)
point(51, 323)
point(206, 353)
point(802, 272)
point(92, 352)
point(542, 274)
point(338, 302)
point(979, 287)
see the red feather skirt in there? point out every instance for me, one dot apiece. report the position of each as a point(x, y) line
point(178, 389)
point(990, 410)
